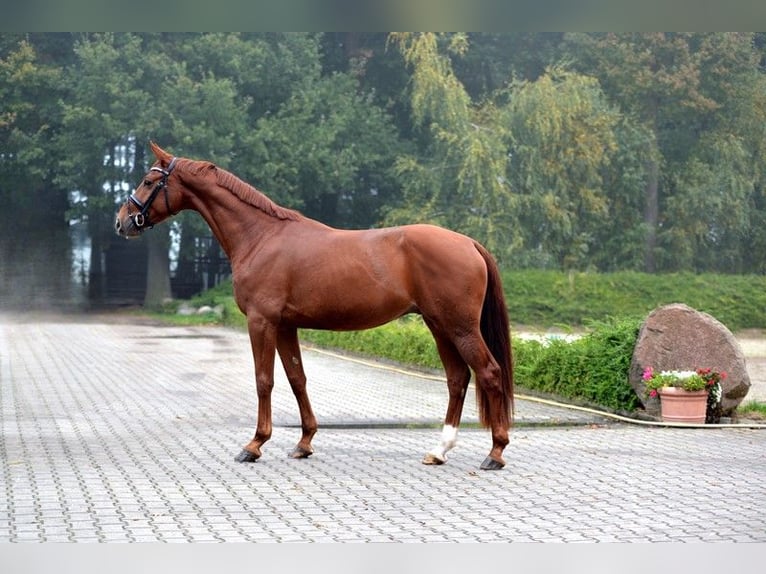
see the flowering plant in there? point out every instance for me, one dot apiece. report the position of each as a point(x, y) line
point(699, 380)
point(713, 380)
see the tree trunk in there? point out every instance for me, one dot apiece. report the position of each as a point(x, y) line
point(158, 267)
point(157, 247)
point(187, 277)
point(651, 215)
point(98, 244)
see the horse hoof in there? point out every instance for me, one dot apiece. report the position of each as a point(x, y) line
point(433, 459)
point(247, 456)
point(300, 452)
point(492, 464)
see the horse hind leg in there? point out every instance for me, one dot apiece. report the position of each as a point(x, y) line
point(490, 388)
point(290, 355)
point(458, 377)
point(490, 397)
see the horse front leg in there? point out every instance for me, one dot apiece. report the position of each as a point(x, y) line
point(289, 351)
point(263, 342)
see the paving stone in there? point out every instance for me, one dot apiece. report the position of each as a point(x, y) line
point(89, 453)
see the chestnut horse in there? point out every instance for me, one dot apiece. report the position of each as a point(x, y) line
point(292, 272)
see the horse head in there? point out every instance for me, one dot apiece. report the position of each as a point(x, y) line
point(140, 211)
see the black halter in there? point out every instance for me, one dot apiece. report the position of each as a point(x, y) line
point(141, 219)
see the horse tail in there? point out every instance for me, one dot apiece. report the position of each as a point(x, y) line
point(495, 328)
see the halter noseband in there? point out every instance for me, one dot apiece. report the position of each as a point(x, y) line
point(141, 219)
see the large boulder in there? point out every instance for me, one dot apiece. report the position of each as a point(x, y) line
point(677, 337)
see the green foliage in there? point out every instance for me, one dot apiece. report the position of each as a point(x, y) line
point(607, 151)
point(688, 381)
point(563, 135)
point(688, 91)
point(619, 239)
point(458, 179)
point(593, 369)
point(327, 152)
point(266, 69)
point(29, 119)
point(545, 299)
point(752, 410)
point(553, 298)
point(439, 100)
point(407, 341)
point(221, 295)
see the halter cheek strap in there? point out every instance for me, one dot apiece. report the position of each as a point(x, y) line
point(141, 219)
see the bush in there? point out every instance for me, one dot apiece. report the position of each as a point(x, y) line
point(592, 369)
point(406, 341)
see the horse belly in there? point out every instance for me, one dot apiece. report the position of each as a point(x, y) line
point(344, 318)
point(350, 302)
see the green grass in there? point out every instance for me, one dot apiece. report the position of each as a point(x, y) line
point(753, 410)
point(220, 295)
point(548, 298)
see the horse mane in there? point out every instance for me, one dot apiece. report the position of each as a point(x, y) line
point(246, 192)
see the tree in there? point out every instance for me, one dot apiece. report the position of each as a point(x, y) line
point(678, 87)
point(494, 60)
point(606, 151)
point(34, 256)
point(98, 122)
point(326, 152)
point(126, 90)
point(563, 136)
point(238, 78)
point(619, 238)
point(752, 237)
point(458, 178)
point(29, 119)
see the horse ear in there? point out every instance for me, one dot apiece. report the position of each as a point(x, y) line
point(163, 156)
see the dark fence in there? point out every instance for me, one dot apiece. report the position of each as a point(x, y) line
point(204, 268)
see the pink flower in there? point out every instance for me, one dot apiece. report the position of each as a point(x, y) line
point(653, 393)
point(647, 374)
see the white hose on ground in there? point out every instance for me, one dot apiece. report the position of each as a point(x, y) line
point(604, 414)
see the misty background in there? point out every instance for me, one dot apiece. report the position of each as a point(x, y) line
point(568, 151)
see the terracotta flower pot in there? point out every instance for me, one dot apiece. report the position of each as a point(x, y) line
point(680, 406)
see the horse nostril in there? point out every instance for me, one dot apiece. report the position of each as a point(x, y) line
point(117, 225)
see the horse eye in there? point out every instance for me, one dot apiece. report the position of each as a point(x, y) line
point(147, 183)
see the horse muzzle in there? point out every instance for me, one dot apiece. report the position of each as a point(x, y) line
point(126, 227)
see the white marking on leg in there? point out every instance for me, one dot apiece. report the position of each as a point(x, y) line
point(448, 441)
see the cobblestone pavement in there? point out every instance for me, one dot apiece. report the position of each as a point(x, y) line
point(118, 431)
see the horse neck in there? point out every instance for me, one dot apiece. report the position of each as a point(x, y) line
point(237, 226)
